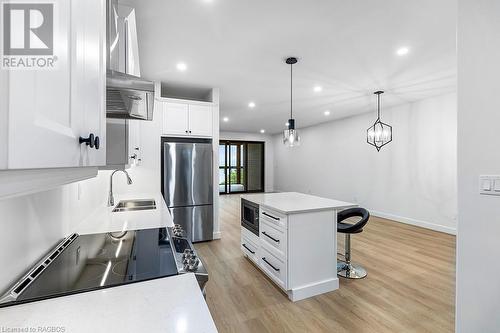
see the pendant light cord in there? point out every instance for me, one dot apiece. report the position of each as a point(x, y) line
point(378, 96)
point(291, 91)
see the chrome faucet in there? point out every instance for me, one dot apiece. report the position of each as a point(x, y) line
point(111, 199)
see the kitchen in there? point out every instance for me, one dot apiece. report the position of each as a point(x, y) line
point(220, 175)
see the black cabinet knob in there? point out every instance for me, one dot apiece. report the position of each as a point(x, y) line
point(92, 141)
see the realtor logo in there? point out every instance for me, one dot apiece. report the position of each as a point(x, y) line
point(28, 35)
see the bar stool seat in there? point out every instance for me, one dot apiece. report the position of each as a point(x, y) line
point(347, 269)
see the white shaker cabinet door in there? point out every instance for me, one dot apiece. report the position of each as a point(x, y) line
point(200, 120)
point(48, 110)
point(175, 118)
point(89, 75)
point(43, 128)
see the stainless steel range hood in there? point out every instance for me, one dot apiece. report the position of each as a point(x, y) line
point(128, 96)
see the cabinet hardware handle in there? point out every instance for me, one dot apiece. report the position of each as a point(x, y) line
point(274, 218)
point(274, 239)
point(135, 98)
point(246, 247)
point(92, 141)
point(97, 143)
point(267, 262)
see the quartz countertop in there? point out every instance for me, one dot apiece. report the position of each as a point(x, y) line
point(172, 304)
point(294, 202)
point(104, 220)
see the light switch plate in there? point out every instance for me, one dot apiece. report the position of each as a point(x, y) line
point(489, 185)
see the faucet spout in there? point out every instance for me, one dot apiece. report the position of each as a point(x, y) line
point(111, 199)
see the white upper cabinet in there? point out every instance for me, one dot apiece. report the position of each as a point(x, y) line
point(175, 118)
point(49, 109)
point(186, 119)
point(200, 120)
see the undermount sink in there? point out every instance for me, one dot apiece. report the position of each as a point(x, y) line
point(138, 204)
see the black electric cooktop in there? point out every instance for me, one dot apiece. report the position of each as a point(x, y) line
point(89, 262)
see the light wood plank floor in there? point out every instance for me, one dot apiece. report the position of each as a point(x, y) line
point(410, 285)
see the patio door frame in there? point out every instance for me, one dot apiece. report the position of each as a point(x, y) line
point(227, 166)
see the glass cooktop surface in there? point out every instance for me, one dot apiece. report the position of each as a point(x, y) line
point(103, 260)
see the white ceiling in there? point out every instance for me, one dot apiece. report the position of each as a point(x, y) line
point(347, 47)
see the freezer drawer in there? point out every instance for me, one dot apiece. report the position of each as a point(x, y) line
point(197, 221)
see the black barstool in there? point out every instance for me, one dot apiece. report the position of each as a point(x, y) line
point(347, 269)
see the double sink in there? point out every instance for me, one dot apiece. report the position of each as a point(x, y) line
point(135, 204)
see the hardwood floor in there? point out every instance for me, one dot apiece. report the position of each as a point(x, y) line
point(410, 285)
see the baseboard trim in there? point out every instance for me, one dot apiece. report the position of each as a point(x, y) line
point(415, 222)
point(217, 235)
point(311, 290)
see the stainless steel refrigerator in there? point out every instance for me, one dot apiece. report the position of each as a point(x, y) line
point(187, 185)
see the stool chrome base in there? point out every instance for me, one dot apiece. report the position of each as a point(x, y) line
point(350, 271)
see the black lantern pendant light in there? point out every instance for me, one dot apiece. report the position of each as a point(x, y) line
point(291, 136)
point(379, 134)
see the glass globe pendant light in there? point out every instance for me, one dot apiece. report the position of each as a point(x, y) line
point(291, 136)
point(379, 134)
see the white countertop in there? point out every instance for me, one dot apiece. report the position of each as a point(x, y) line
point(170, 304)
point(103, 220)
point(294, 202)
point(173, 304)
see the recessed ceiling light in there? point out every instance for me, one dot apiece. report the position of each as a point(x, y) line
point(263, 131)
point(251, 105)
point(318, 88)
point(327, 112)
point(225, 119)
point(181, 66)
point(402, 51)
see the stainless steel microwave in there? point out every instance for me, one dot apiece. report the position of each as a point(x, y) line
point(250, 216)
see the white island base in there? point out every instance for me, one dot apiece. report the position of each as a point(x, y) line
point(297, 242)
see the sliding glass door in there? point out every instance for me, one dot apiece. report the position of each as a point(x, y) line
point(241, 166)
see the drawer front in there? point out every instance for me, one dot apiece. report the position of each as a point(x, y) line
point(276, 238)
point(273, 267)
point(249, 235)
point(250, 249)
point(274, 218)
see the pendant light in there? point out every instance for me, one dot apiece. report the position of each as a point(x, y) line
point(291, 136)
point(379, 134)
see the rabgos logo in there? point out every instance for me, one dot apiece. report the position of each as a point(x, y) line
point(28, 35)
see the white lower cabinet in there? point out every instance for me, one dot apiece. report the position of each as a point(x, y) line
point(274, 238)
point(273, 266)
point(250, 249)
point(297, 251)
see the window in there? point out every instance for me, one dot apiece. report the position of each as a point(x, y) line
point(241, 166)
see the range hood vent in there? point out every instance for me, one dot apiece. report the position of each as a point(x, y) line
point(128, 96)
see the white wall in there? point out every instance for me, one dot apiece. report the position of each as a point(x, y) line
point(478, 241)
point(412, 180)
point(268, 153)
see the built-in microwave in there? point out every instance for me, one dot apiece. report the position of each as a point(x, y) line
point(250, 216)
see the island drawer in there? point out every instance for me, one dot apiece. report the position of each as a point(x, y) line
point(274, 237)
point(273, 217)
point(250, 249)
point(273, 267)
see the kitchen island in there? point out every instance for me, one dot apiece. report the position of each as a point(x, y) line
point(293, 240)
